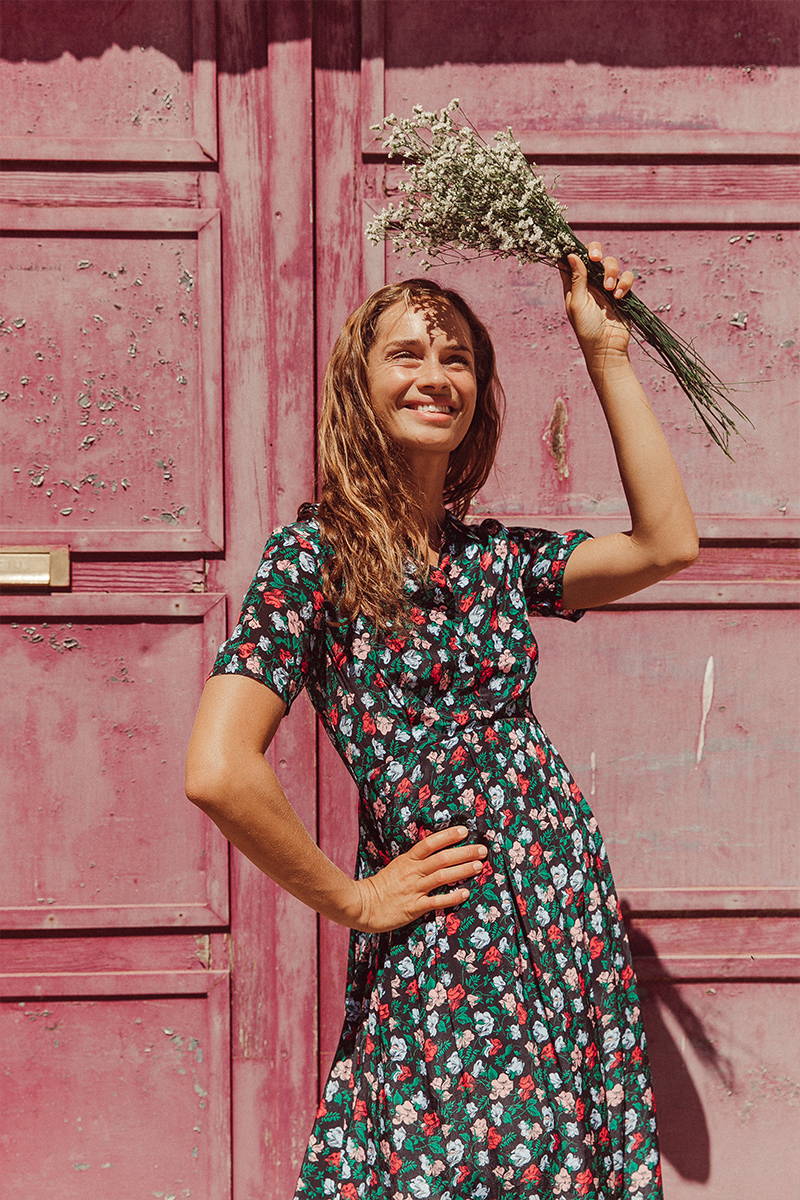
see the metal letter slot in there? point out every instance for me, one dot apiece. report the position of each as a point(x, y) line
point(34, 566)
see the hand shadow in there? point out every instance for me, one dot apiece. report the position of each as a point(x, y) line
point(683, 1132)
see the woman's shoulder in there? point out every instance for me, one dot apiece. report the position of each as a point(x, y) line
point(298, 539)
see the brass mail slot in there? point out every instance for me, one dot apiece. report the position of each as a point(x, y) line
point(34, 566)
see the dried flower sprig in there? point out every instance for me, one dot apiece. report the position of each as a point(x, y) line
point(467, 198)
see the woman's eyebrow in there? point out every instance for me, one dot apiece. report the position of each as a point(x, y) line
point(415, 343)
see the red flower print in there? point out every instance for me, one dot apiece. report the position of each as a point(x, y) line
point(548, 1052)
point(480, 805)
point(596, 947)
point(360, 1110)
point(526, 1087)
point(395, 1163)
point(429, 1049)
point(334, 1158)
point(349, 1191)
point(591, 1054)
point(485, 873)
point(455, 995)
point(522, 1013)
point(493, 1138)
point(403, 787)
point(431, 1121)
point(531, 1174)
point(466, 1081)
point(580, 1109)
point(495, 1046)
point(584, 1181)
point(452, 922)
point(459, 755)
point(368, 724)
point(535, 853)
point(486, 559)
point(246, 650)
point(424, 793)
point(555, 935)
point(636, 1054)
point(383, 1012)
point(274, 598)
point(492, 955)
point(466, 602)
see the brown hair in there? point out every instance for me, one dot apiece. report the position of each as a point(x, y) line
point(369, 511)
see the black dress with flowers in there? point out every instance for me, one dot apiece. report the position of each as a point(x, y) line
point(494, 1048)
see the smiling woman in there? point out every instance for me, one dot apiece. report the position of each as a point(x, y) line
point(492, 1041)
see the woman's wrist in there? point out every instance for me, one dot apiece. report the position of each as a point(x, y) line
point(607, 364)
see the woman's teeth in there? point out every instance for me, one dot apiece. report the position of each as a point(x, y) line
point(432, 408)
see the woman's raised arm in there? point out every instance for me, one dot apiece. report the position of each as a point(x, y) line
point(663, 535)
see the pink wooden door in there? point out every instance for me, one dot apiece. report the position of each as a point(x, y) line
point(670, 129)
point(150, 996)
point(166, 1018)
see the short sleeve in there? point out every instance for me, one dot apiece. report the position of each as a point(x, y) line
point(274, 639)
point(543, 556)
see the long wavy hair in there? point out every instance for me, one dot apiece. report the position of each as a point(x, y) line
point(369, 510)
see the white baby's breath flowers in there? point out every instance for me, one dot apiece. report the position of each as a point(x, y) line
point(466, 198)
point(465, 194)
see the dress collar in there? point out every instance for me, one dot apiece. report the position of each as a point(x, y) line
point(469, 531)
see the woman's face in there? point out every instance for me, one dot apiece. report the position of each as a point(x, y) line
point(421, 375)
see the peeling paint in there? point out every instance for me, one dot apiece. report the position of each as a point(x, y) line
point(708, 695)
point(555, 437)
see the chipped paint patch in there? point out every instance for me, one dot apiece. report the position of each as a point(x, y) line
point(707, 697)
point(555, 437)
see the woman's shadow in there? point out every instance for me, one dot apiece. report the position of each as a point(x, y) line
point(682, 1127)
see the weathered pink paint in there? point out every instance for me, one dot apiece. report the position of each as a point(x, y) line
point(141, 999)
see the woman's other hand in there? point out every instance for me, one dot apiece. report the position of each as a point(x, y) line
point(599, 329)
point(400, 891)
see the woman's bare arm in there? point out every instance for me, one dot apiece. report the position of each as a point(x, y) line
point(228, 777)
point(663, 535)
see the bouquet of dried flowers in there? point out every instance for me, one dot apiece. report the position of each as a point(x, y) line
point(467, 198)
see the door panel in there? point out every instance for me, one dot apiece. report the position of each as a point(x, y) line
point(111, 378)
point(94, 826)
point(116, 1084)
point(676, 709)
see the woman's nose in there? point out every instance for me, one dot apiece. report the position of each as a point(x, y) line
point(433, 375)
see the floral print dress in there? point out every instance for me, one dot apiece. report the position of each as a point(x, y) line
point(494, 1048)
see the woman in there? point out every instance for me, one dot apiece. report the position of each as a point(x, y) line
point(492, 1043)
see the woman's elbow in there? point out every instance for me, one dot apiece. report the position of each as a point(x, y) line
point(205, 785)
point(680, 557)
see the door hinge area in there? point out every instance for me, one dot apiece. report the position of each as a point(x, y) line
point(34, 567)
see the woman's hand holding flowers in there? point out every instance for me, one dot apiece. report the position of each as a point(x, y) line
point(602, 335)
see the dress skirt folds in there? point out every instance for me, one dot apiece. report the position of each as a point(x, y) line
point(494, 1048)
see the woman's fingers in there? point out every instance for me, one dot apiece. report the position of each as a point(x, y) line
point(436, 841)
point(614, 281)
